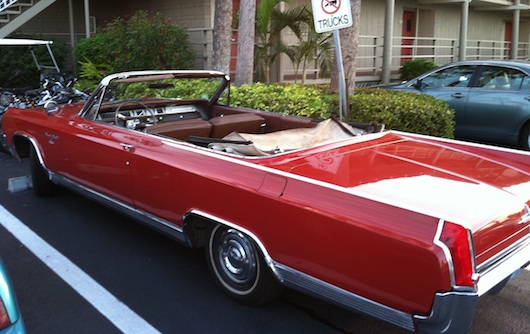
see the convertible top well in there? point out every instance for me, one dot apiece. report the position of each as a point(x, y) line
point(325, 132)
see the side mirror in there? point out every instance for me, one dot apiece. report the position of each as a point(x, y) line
point(51, 107)
point(417, 84)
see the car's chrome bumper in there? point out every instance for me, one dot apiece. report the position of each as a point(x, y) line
point(502, 266)
point(452, 312)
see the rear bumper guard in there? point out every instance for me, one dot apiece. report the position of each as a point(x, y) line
point(452, 312)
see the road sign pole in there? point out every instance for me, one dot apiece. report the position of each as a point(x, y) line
point(340, 69)
point(332, 15)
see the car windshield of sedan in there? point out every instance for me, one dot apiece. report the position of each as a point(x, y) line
point(193, 106)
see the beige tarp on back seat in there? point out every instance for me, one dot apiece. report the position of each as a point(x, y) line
point(287, 140)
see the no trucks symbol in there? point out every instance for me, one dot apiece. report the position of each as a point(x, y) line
point(330, 6)
point(331, 14)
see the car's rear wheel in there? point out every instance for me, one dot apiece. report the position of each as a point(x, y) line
point(525, 137)
point(239, 268)
point(39, 177)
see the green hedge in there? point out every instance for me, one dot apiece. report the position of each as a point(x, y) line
point(415, 67)
point(287, 99)
point(410, 112)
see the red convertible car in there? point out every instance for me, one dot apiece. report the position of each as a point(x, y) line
point(410, 229)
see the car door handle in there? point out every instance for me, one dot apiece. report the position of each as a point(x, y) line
point(527, 98)
point(457, 95)
point(127, 147)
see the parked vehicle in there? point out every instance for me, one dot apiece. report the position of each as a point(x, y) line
point(42, 65)
point(407, 228)
point(491, 99)
point(11, 321)
point(25, 96)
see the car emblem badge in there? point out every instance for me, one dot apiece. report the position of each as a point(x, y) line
point(52, 138)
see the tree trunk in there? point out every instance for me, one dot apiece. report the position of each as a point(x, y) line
point(349, 41)
point(222, 35)
point(245, 50)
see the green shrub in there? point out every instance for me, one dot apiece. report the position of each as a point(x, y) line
point(197, 88)
point(404, 111)
point(140, 42)
point(413, 68)
point(297, 100)
point(91, 74)
point(18, 66)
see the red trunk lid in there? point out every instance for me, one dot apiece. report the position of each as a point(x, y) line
point(487, 196)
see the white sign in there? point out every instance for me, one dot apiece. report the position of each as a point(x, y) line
point(331, 14)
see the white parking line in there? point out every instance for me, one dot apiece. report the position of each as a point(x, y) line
point(109, 306)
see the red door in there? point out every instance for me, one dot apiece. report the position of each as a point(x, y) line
point(408, 32)
point(508, 40)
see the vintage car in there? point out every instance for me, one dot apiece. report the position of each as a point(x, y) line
point(407, 228)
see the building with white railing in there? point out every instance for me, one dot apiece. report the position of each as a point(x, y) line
point(392, 31)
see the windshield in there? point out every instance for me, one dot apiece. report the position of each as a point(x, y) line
point(209, 87)
point(174, 88)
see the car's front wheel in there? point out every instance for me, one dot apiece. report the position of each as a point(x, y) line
point(39, 177)
point(239, 268)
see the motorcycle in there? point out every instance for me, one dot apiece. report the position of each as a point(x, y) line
point(53, 88)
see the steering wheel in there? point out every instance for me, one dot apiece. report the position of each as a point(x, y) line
point(118, 116)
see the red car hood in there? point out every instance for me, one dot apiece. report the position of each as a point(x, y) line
point(435, 179)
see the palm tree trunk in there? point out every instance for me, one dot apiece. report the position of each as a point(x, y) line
point(222, 35)
point(245, 50)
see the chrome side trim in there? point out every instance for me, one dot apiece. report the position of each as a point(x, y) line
point(172, 230)
point(313, 286)
point(501, 266)
point(445, 250)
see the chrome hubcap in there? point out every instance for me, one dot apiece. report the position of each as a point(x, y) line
point(237, 258)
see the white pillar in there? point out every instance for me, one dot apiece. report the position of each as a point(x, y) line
point(71, 21)
point(387, 43)
point(463, 30)
point(515, 30)
point(87, 19)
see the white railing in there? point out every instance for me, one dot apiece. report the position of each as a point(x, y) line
point(4, 4)
point(369, 60)
point(439, 50)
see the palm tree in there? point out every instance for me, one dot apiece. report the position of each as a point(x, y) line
point(270, 22)
point(311, 46)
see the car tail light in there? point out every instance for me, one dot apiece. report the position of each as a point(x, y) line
point(4, 317)
point(458, 241)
